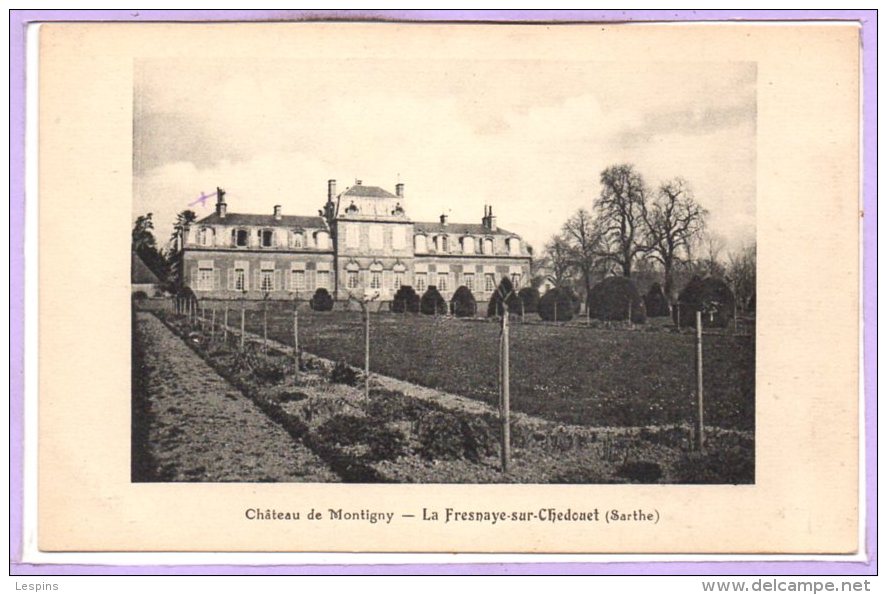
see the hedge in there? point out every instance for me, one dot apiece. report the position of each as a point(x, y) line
point(557, 302)
point(506, 288)
point(710, 296)
point(321, 301)
point(655, 302)
point(405, 300)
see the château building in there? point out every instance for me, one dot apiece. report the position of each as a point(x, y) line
point(361, 242)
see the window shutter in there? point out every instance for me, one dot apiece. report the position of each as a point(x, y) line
point(277, 285)
point(363, 279)
point(387, 279)
point(230, 279)
point(257, 280)
point(217, 279)
point(288, 280)
point(194, 278)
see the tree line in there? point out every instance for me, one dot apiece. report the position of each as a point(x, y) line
point(635, 230)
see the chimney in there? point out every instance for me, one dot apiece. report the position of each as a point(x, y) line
point(399, 189)
point(221, 206)
point(443, 220)
point(489, 220)
point(277, 212)
point(331, 190)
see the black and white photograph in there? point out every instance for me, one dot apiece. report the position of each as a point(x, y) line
point(452, 271)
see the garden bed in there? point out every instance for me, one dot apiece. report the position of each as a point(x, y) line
point(405, 433)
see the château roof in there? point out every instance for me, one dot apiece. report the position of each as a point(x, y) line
point(263, 220)
point(370, 191)
point(459, 228)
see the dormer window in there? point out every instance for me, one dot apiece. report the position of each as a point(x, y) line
point(267, 236)
point(241, 238)
point(206, 236)
point(514, 246)
point(298, 239)
point(487, 246)
point(352, 209)
point(468, 245)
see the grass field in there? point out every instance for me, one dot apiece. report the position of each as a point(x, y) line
point(585, 376)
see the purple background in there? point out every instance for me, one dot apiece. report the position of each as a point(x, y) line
point(19, 19)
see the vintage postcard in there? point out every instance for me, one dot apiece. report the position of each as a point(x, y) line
point(403, 287)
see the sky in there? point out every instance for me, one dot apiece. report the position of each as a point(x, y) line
point(529, 137)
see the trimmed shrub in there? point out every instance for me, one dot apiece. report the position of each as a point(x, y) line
point(506, 288)
point(463, 302)
point(529, 297)
point(432, 302)
point(448, 435)
point(641, 471)
point(342, 373)
point(557, 302)
point(321, 301)
point(405, 300)
point(655, 302)
point(610, 299)
point(139, 295)
point(710, 296)
point(347, 430)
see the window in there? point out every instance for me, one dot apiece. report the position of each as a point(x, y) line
point(487, 246)
point(515, 280)
point(205, 279)
point(421, 281)
point(266, 280)
point(443, 281)
point(514, 246)
point(489, 282)
point(323, 279)
point(239, 279)
point(241, 238)
point(468, 245)
point(353, 280)
point(298, 280)
point(267, 238)
point(376, 280)
point(298, 240)
point(206, 236)
point(421, 244)
point(468, 281)
point(323, 240)
point(443, 244)
point(376, 236)
point(398, 279)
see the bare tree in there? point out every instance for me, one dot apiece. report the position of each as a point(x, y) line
point(712, 248)
point(620, 212)
point(673, 221)
point(742, 274)
point(585, 246)
point(556, 260)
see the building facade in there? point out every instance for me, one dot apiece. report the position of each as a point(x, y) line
point(362, 242)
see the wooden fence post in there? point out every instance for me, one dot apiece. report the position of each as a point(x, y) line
point(366, 362)
point(700, 432)
point(225, 326)
point(505, 405)
point(242, 326)
point(264, 325)
point(296, 338)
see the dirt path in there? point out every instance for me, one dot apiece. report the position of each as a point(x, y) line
point(201, 428)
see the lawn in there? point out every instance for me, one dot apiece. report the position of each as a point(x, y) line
point(574, 375)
